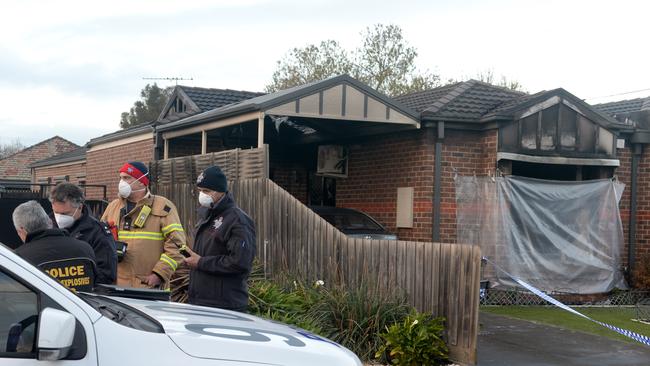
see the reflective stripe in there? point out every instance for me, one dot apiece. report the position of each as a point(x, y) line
point(171, 228)
point(167, 259)
point(149, 235)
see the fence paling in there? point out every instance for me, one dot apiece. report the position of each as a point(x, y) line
point(442, 279)
point(439, 278)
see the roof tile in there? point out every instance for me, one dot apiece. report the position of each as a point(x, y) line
point(468, 100)
point(208, 99)
point(624, 106)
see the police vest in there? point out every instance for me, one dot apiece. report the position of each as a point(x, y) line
point(74, 273)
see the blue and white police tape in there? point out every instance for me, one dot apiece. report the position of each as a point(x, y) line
point(637, 337)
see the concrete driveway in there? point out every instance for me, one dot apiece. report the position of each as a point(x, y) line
point(504, 341)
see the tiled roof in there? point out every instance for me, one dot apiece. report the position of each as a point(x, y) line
point(514, 103)
point(283, 96)
point(624, 106)
point(16, 166)
point(421, 100)
point(74, 155)
point(208, 99)
point(468, 100)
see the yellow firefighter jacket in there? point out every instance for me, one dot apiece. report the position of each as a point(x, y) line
point(152, 243)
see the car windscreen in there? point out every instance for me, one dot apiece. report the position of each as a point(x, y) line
point(122, 313)
point(352, 221)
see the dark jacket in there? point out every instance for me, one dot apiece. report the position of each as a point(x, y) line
point(98, 235)
point(225, 239)
point(46, 248)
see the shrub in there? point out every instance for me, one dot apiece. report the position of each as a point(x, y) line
point(351, 316)
point(417, 340)
point(354, 317)
point(272, 300)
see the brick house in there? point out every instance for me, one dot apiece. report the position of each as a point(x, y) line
point(97, 163)
point(400, 154)
point(16, 167)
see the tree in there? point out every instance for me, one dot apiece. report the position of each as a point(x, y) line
point(311, 63)
point(488, 76)
point(10, 148)
point(384, 61)
point(147, 109)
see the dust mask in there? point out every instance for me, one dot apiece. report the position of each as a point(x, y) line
point(125, 189)
point(205, 200)
point(64, 221)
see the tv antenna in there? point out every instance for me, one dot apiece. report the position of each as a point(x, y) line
point(174, 79)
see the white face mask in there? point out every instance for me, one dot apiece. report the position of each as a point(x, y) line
point(124, 188)
point(65, 221)
point(205, 200)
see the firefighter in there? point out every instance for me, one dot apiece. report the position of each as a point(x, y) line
point(68, 260)
point(149, 226)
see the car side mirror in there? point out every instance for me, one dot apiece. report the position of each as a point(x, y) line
point(55, 334)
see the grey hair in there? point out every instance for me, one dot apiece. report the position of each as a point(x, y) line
point(31, 216)
point(67, 192)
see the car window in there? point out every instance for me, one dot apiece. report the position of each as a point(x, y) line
point(18, 317)
point(357, 221)
point(335, 220)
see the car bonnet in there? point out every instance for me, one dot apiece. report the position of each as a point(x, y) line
point(219, 334)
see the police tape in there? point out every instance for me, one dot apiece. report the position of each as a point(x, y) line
point(637, 337)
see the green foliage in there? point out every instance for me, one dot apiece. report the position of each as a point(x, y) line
point(417, 340)
point(310, 63)
point(288, 305)
point(355, 316)
point(385, 61)
point(148, 108)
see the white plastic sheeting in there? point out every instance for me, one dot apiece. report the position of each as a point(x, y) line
point(558, 236)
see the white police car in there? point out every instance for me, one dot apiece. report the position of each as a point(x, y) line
point(41, 322)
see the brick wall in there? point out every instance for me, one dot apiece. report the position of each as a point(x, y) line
point(292, 177)
point(72, 170)
point(464, 153)
point(289, 168)
point(378, 166)
point(16, 166)
point(624, 174)
point(103, 165)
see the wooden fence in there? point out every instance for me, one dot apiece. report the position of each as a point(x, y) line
point(176, 178)
point(439, 278)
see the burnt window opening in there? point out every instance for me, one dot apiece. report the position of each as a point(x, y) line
point(557, 171)
point(557, 130)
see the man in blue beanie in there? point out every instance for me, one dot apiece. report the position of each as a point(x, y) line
point(224, 247)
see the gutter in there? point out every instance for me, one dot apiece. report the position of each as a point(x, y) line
point(120, 135)
point(198, 119)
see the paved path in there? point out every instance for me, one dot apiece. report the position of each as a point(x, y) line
point(504, 341)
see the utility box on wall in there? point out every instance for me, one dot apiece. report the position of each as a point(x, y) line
point(404, 215)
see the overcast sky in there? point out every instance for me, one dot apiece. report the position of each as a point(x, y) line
point(69, 68)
